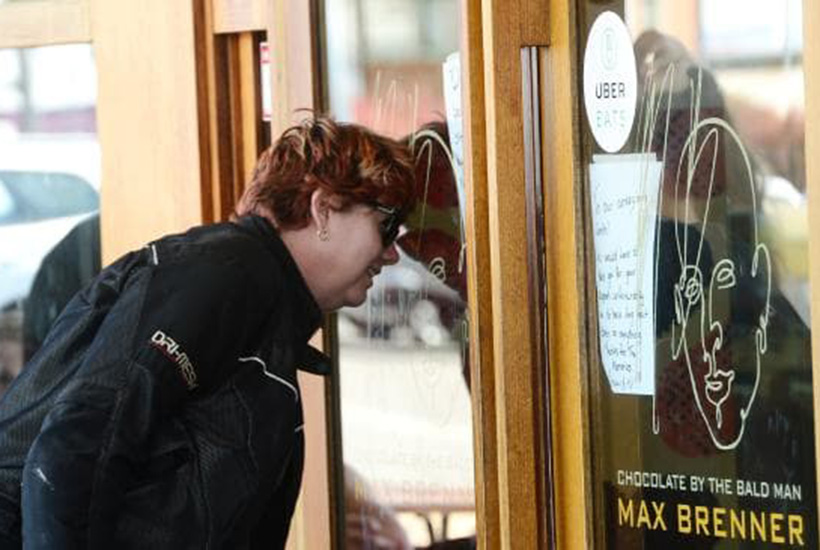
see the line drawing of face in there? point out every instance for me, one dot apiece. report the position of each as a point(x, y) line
point(699, 332)
point(696, 304)
point(718, 381)
point(423, 156)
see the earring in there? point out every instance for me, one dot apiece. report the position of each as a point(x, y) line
point(323, 234)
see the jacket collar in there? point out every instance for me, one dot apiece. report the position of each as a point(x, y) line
point(310, 317)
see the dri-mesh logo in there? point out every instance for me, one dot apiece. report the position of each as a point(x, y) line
point(173, 351)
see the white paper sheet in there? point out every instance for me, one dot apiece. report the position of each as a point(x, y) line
point(624, 214)
point(451, 70)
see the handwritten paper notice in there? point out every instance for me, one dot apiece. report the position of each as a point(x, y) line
point(624, 213)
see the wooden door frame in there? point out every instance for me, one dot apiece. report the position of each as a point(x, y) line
point(513, 465)
point(479, 291)
point(811, 58)
point(45, 23)
point(567, 305)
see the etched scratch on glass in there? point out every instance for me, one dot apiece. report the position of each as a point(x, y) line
point(420, 302)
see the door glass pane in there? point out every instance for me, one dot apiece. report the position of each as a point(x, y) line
point(405, 401)
point(49, 192)
point(702, 400)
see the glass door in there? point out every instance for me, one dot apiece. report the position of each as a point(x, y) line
point(701, 396)
point(403, 373)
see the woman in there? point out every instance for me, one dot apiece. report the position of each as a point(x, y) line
point(163, 409)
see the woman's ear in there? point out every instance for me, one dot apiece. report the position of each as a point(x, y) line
point(320, 209)
point(322, 204)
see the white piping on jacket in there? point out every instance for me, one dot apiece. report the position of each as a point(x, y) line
point(270, 375)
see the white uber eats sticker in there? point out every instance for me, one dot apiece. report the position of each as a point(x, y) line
point(610, 82)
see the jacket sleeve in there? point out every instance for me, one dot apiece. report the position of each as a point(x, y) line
point(168, 334)
point(271, 531)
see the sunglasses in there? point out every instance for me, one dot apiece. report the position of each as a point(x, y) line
point(389, 226)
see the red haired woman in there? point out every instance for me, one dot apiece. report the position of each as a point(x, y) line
point(163, 409)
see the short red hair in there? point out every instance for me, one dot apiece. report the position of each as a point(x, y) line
point(348, 161)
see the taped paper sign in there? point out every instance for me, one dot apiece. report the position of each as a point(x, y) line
point(451, 70)
point(624, 214)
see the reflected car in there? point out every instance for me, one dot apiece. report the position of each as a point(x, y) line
point(37, 209)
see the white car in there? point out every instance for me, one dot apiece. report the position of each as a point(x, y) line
point(37, 209)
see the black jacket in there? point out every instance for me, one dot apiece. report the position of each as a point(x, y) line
point(163, 410)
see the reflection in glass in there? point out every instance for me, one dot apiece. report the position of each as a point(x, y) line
point(49, 192)
point(405, 407)
point(720, 107)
